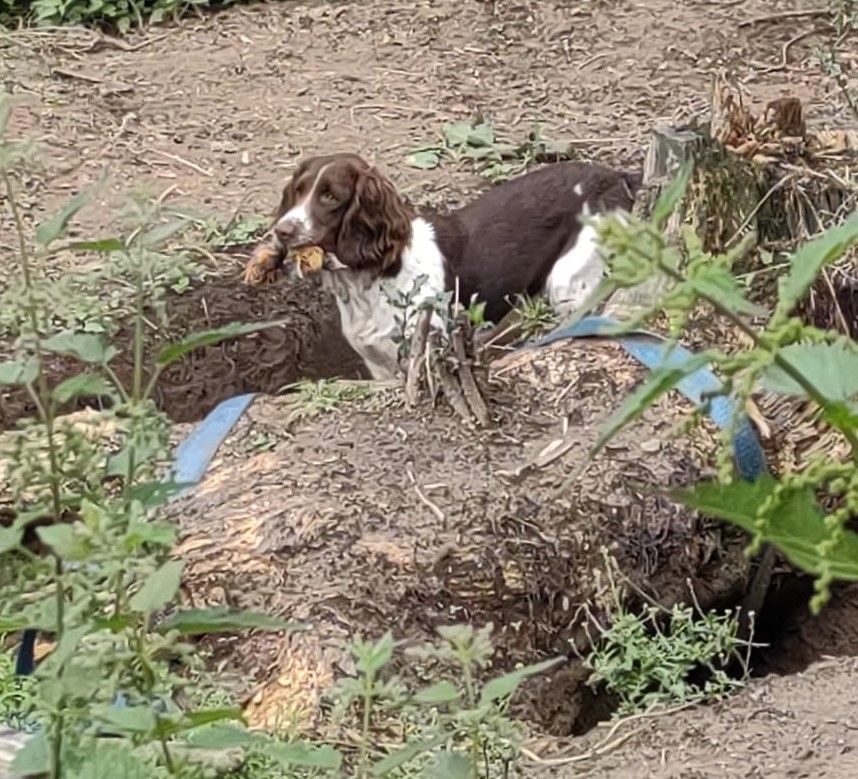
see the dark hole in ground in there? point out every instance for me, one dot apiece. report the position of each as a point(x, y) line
point(792, 639)
point(308, 345)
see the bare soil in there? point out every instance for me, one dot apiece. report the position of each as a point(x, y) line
point(327, 520)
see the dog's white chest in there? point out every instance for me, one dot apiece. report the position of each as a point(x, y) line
point(367, 321)
point(368, 317)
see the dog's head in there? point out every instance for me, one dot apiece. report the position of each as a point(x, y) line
point(344, 205)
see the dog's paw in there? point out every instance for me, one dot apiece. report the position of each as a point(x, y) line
point(264, 264)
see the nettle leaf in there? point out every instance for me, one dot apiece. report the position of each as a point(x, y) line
point(451, 765)
point(405, 755)
point(425, 159)
point(507, 684)
point(719, 284)
point(219, 737)
point(797, 527)
point(34, 759)
point(64, 541)
point(13, 624)
point(175, 351)
point(441, 692)
point(102, 245)
point(63, 652)
point(160, 234)
point(830, 368)
point(19, 373)
point(658, 383)
point(196, 719)
point(159, 588)
point(155, 494)
point(82, 385)
point(481, 135)
point(55, 227)
point(10, 538)
point(456, 133)
point(127, 719)
point(141, 532)
point(377, 655)
point(671, 196)
point(86, 347)
point(112, 758)
point(811, 258)
point(303, 754)
point(222, 619)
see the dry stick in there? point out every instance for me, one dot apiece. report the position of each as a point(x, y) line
point(787, 46)
point(449, 385)
point(414, 375)
point(453, 391)
point(471, 391)
point(423, 499)
point(604, 746)
point(784, 15)
point(840, 315)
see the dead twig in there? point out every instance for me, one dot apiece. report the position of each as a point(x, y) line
point(423, 499)
point(416, 358)
point(783, 15)
point(183, 161)
point(470, 390)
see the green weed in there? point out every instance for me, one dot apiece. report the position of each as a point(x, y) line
point(477, 144)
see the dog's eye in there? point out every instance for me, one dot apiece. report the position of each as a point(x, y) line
point(328, 198)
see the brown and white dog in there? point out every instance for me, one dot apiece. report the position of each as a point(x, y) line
point(524, 236)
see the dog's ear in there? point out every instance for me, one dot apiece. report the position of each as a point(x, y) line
point(376, 226)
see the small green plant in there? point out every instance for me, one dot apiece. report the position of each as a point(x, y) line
point(15, 694)
point(122, 15)
point(235, 232)
point(478, 144)
point(802, 512)
point(102, 585)
point(536, 316)
point(455, 724)
point(658, 657)
point(309, 399)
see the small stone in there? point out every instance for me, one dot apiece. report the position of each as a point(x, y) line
point(653, 445)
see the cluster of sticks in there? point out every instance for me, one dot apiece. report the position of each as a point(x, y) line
point(781, 130)
point(457, 367)
point(450, 366)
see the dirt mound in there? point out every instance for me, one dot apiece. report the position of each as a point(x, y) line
point(380, 517)
point(802, 725)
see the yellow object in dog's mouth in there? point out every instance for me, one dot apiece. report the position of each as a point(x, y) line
point(266, 262)
point(309, 259)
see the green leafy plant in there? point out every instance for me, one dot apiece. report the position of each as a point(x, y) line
point(100, 581)
point(803, 512)
point(119, 14)
point(309, 399)
point(455, 724)
point(478, 144)
point(536, 316)
point(657, 657)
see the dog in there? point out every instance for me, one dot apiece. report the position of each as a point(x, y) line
point(522, 237)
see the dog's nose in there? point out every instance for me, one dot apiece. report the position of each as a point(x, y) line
point(286, 231)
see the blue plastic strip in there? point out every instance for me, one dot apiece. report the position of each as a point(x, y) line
point(701, 387)
point(195, 453)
